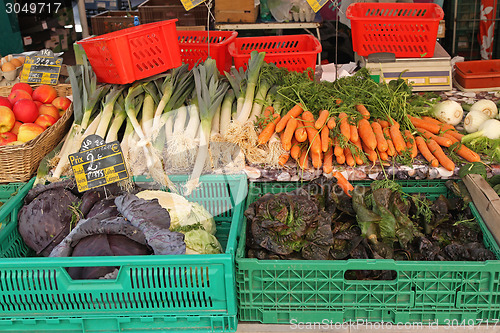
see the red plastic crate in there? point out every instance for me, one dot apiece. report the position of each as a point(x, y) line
point(406, 29)
point(478, 74)
point(196, 46)
point(134, 53)
point(294, 52)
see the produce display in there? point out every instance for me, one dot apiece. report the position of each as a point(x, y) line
point(28, 112)
point(11, 67)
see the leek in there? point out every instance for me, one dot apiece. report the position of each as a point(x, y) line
point(252, 75)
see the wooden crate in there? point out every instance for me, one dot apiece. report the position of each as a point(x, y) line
point(235, 11)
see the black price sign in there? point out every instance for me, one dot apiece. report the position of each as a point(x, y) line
point(41, 68)
point(97, 163)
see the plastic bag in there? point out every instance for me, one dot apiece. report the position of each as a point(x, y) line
point(280, 9)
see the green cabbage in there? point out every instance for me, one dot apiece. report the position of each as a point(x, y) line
point(199, 241)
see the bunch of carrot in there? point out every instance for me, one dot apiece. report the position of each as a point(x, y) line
point(357, 138)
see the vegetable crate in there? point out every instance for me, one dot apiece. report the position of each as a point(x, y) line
point(405, 29)
point(294, 52)
point(294, 291)
point(135, 53)
point(196, 46)
point(150, 293)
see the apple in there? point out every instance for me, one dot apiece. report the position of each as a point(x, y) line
point(45, 120)
point(45, 94)
point(38, 104)
point(4, 101)
point(16, 95)
point(61, 103)
point(15, 129)
point(25, 110)
point(7, 119)
point(6, 138)
point(49, 109)
point(23, 86)
point(29, 131)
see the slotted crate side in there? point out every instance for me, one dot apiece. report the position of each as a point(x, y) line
point(274, 291)
point(200, 288)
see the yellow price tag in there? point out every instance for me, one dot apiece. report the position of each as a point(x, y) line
point(316, 4)
point(190, 4)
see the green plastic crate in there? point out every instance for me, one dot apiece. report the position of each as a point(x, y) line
point(151, 293)
point(301, 291)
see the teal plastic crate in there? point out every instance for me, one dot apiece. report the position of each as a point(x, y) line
point(302, 291)
point(151, 293)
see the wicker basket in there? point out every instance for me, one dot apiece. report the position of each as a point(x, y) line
point(18, 163)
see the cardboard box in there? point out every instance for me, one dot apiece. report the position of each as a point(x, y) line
point(441, 29)
point(236, 11)
point(487, 202)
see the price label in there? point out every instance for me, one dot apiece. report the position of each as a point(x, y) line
point(42, 68)
point(316, 4)
point(98, 163)
point(190, 4)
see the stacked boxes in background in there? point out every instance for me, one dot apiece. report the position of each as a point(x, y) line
point(236, 11)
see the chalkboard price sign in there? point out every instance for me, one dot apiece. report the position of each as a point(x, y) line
point(41, 68)
point(98, 163)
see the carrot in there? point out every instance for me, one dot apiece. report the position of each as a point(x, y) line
point(440, 155)
point(443, 141)
point(337, 150)
point(295, 151)
point(338, 101)
point(426, 153)
point(268, 111)
point(379, 135)
point(397, 137)
point(455, 134)
point(303, 159)
point(444, 126)
point(268, 131)
point(300, 132)
point(343, 183)
point(411, 144)
point(328, 161)
point(391, 151)
point(354, 133)
point(312, 133)
point(372, 154)
point(331, 123)
point(383, 155)
point(294, 112)
point(383, 123)
point(358, 152)
point(366, 134)
point(418, 122)
point(317, 159)
point(363, 110)
point(325, 139)
point(345, 129)
point(283, 158)
point(340, 159)
point(463, 151)
point(321, 121)
point(349, 159)
point(286, 141)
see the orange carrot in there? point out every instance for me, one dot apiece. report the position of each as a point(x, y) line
point(366, 134)
point(383, 123)
point(317, 159)
point(345, 129)
point(325, 139)
point(294, 112)
point(300, 132)
point(444, 160)
point(283, 158)
point(337, 150)
point(312, 133)
point(304, 158)
point(338, 101)
point(343, 183)
point(268, 111)
point(372, 154)
point(331, 123)
point(418, 122)
point(443, 141)
point(358, 152)
point(349, 159)
point(391, 151)
point(328, 161)
point(455, 134)
point(411, 144)
point(463, 151)
point(320, 122)
point(397, 137)
point(426, 153)
point(286, 141)
point(340, 159)
point(444, 126)
point(268, 131)
point(295, 151)
point(383, 155)
point(363, 110)
point(379, 135)
point(354, 133)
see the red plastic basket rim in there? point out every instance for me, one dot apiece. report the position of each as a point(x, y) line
point(232, 36)
point(234, 52)
point(430, 6)
point(124, 32)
